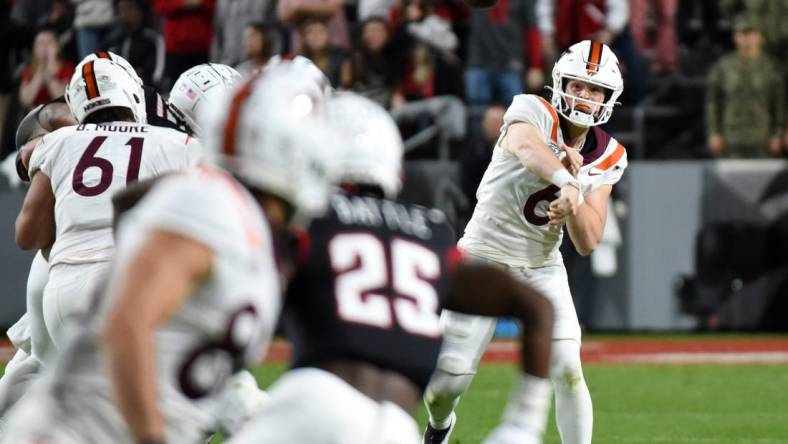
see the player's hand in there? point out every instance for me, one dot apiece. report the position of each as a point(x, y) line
point(573, 160)
point(715, 144)
point(775, 146)
point(512, 434)
point(534, 79)
point(565, 206)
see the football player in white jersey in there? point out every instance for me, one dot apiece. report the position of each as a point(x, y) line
point(74, 171)
point(195, 291)
point(527, 195)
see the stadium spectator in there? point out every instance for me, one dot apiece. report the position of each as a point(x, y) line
point(93, 19)
point(188, 29)
point(771, 18)
point(138, 43)
point(230, 24)
point(61, 17)
point(429, 81)
point(430, 66)
point(474, 159)
point(259, 43)
point(293, 12)
point(372, 63)
point(503, 44)
point(316, 47)
point(745, 98)
point(46, 76)
point(653, 27)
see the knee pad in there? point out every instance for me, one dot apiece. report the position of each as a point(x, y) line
point(456, 364)
point(445, 385)
point(566, 372)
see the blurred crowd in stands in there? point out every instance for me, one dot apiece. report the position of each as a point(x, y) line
point(703, 78)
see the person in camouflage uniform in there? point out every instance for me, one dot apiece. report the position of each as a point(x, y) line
point(770, 15)
point(745, 98)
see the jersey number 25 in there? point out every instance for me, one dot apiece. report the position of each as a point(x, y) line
point(363, 268)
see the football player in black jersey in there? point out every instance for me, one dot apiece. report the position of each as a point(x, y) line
point(362, 309)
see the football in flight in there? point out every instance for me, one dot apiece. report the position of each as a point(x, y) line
point(481, 3)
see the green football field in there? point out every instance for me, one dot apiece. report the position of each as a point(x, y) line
point(669, 404)
point(655, 404)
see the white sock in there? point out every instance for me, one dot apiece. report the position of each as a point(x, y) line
point(528, 405)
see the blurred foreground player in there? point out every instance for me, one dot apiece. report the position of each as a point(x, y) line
point(195, 293)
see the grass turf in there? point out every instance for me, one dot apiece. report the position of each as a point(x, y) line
point(652, 404)
point(655, 404)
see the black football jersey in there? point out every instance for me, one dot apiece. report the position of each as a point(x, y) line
point(369, 286)
point(158, 113)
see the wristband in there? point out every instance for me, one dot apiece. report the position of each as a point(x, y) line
point(529, 404)
point(151, 441)
point(562, 178)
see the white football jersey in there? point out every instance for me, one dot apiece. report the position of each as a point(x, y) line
point(225, 324)
point(510, 223)
point(87, 164)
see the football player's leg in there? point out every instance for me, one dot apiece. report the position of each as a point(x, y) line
point(310, 405)
point(36, 282)
point(464, 341)
point(574, 412)
point(573, 408)
point(19, 371)
point(67, 295)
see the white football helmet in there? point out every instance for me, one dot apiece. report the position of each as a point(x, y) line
point(199, 88)
point(272, 136)
point(371, 145)
point(592, 62)
point(304, 66)
point(109, 55)
point(101, 83)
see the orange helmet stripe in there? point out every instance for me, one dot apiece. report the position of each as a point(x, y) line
point(234, 114)
point(91, 85)
point(594, 57)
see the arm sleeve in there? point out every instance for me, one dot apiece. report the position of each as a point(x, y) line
point(528, 109)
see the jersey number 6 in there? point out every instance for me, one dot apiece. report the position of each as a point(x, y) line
point(362, 272)
point(89, 159)
point(529, 211)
